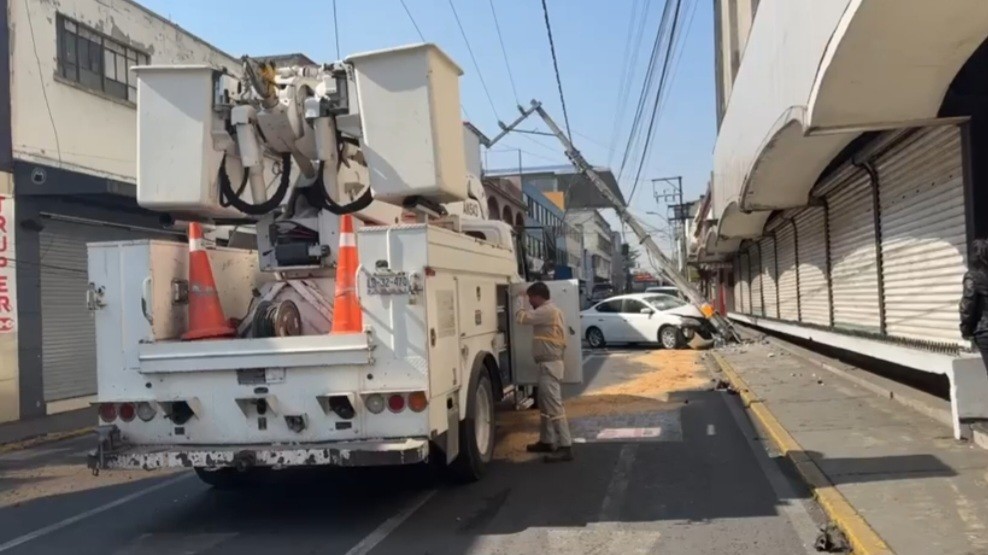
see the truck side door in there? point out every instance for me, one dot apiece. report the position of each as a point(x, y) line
point(565, 295)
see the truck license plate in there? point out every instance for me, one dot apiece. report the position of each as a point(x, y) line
point(388, 284)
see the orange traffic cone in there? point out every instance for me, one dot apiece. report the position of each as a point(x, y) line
point(206, 319)
point(347, 316)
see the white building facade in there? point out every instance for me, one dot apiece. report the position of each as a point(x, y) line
point(597, 243)
point(67, 177)
point(847, 177)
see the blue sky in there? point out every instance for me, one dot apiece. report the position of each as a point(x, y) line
point(591, 38)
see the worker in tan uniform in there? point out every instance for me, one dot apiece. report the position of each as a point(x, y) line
point(548, 348)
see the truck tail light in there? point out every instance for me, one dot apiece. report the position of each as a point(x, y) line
point(374, 403)
point(108, 412)
point(126, 412)
point(417, 401)
point(396, 402)
point(146, 411)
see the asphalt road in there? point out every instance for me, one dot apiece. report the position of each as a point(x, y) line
point(697, 481)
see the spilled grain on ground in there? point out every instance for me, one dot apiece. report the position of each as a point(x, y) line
point(660, 374)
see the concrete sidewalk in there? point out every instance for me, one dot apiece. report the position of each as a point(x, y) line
point(36, 430)
point(898, 470)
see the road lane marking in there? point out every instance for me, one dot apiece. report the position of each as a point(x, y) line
point(91, 512)
point(618, 487)
point(711, 430)
point(385, 528)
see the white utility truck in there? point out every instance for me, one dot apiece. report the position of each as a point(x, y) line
point(284, 153)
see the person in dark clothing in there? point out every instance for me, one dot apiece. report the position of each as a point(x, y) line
point(974, 301)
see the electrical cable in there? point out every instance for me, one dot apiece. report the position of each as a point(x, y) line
point(476, 66)
point(504, 52)
point(231, 198)
point(684, 33)
point(658, 98)
point(412, 19)
point(646, 86)
point(555, 66)
point(630, 59)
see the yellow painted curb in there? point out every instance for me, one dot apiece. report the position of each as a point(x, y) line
point(40, 440)
point(864, 540)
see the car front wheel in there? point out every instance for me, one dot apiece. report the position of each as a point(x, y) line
point(671, 337)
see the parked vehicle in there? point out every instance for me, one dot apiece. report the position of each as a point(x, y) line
point(665, 290)
point(643, 318)
point(601, 291)
point(404, 366)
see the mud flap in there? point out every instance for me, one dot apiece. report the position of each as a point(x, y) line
point(453, 431)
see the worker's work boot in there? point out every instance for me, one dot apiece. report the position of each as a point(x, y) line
point(540, 447)
point(563, 454)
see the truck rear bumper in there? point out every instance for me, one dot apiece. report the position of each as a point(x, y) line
point(337, 453)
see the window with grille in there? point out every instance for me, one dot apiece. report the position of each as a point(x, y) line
point(96, 61)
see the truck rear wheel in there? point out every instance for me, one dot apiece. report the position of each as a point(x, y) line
point(476, 431)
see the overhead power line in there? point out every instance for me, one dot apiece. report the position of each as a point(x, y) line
point(422, 37)
point(412, 19)
point(555, 66)
point(635, 131)
point(504, 52)
point(658, 98)
point(631, 49)
point(474, 59)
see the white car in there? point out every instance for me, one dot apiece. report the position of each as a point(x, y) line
point(643, 318)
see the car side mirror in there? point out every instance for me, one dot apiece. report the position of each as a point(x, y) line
point(648, 311)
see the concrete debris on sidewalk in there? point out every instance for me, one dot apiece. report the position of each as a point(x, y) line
point(893, 469)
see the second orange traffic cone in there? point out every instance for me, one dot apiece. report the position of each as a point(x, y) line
point(206, 319)
point(347, 316)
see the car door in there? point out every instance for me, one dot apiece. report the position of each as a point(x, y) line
point(606, 316)
point(639, 321)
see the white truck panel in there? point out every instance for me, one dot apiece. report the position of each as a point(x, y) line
point(565, 295)
point(454, 300)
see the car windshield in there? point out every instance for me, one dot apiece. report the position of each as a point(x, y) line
point(664, 302)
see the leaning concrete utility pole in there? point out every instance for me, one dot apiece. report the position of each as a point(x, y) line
point(721, 324)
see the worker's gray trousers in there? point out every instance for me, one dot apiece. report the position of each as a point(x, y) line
point(553, 429)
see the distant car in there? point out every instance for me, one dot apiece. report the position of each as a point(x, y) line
point(665, 290)
point(601, 291)
point(643, 318)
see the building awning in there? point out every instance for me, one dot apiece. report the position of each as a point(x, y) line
point(714, 245)
point(735, 224)
point(889, 63)
point(788, 164)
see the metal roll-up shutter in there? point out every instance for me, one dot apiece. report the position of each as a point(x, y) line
point(924, 235)
point(745, 284)
point(68, 333)
point(769, 280)
point(756, 281)
point(786, 247)
point(854, 267)
point(814, 291)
